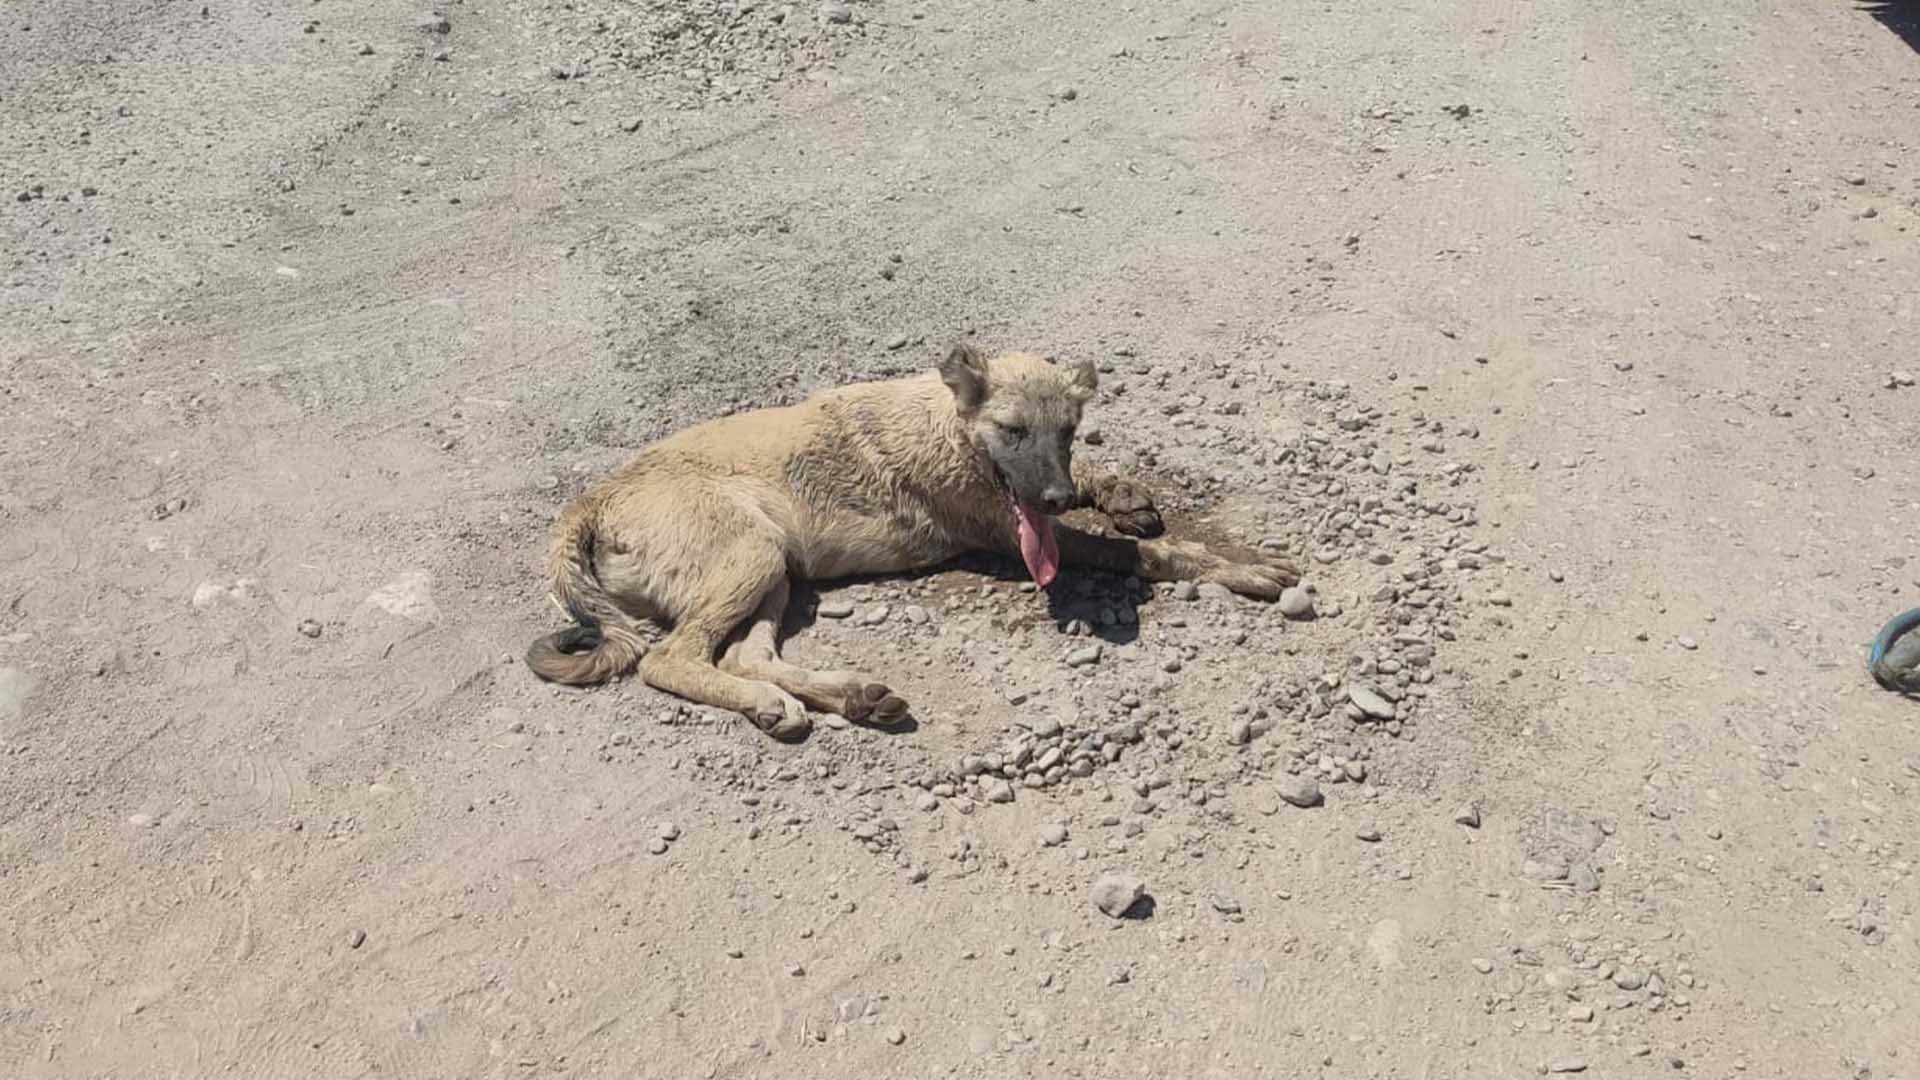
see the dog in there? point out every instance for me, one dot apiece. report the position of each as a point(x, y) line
point(705, 531)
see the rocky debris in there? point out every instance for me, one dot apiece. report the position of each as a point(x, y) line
point(1115, 894)
point(1899, 380)
point(693, 53)
point(1468, 815)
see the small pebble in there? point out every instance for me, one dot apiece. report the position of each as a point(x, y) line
point(1084, 656)
point(835, 609)
point(1482, 965)
point(657, 846)
point(1468, 816)
point(310, 628)
point(1687, 643)
point(667, 830)
point(895, 1036)
point(735, 954)
point(1053, 835)
point(356, 939)
point(1370, 834)
point(1567, 1065)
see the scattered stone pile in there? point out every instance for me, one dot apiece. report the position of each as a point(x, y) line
point(696, 51)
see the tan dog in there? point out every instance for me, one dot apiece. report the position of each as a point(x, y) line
point(705, 530)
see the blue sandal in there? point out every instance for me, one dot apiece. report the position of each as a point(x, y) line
point(1894, 658)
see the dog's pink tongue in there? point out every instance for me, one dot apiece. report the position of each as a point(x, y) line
point(1037, 545)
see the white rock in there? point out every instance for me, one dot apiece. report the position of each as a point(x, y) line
point(1296, 603)
point(410, 596)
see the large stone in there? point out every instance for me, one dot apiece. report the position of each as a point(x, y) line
point(1115, 894)
point(1301, 791)
point(1370, 702)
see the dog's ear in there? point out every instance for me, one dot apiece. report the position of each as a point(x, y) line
point(1082, 381)
point(965, 373)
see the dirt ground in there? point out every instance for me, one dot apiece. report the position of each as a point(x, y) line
point(1559, 339)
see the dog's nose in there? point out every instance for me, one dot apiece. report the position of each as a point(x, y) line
point(1057, 499)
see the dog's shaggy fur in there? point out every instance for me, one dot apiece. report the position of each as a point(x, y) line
point(705, 530)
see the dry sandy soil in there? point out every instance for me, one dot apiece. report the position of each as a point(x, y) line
point(1557, 338)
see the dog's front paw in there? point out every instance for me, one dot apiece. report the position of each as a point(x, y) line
point(782, 716)
point(1130, 509)
point(1260, 576)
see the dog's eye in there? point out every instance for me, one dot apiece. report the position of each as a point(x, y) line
point(1013, 431)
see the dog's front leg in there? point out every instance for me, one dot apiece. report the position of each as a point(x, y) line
point(1125, 502)
point(1257, 575)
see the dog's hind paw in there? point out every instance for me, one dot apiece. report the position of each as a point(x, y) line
point(875, 704)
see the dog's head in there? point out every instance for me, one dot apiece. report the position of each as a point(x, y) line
point(1020, 413)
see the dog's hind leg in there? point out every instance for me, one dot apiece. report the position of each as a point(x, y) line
point(756, 655)
point(683, 662)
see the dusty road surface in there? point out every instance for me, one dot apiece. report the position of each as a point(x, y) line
point(1560, 340)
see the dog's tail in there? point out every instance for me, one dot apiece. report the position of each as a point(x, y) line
point(604, 643)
